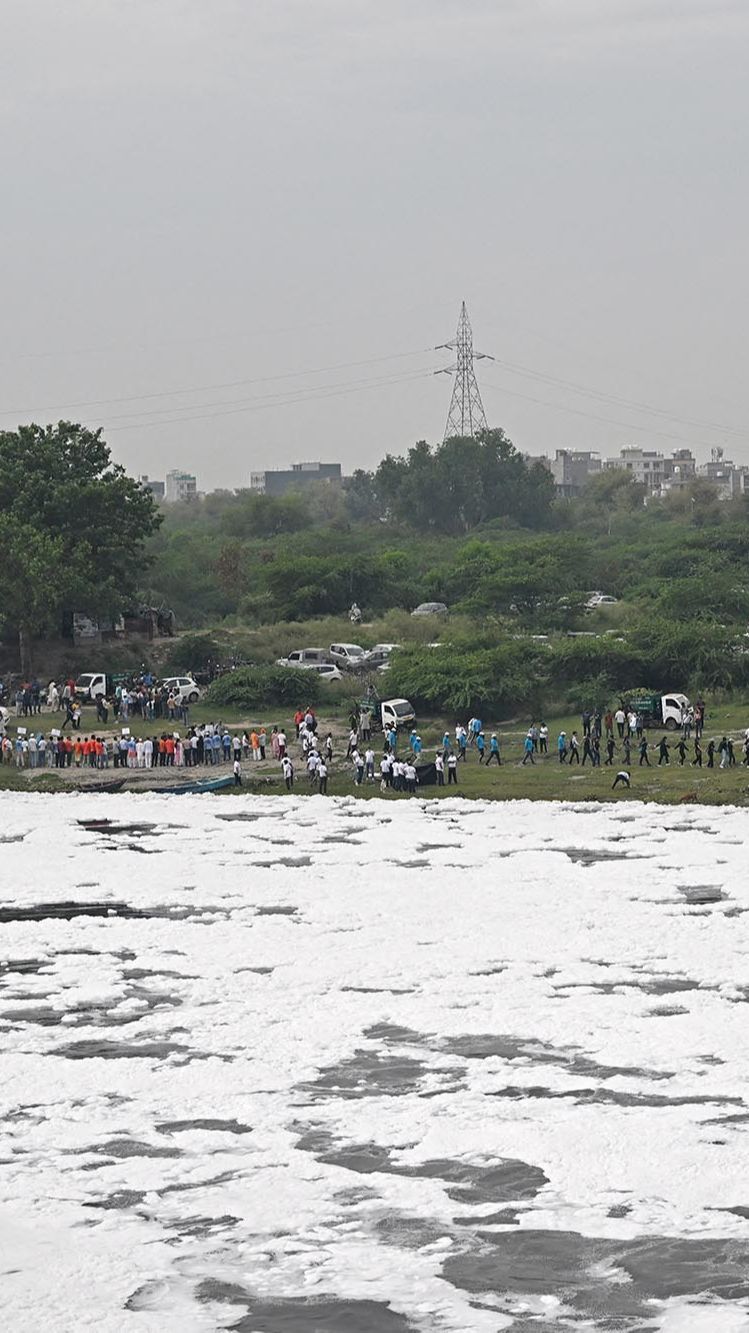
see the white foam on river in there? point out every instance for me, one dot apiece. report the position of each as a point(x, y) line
point(323, 1052)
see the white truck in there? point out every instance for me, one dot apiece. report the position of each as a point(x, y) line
point(660, 710)
point(396, 713)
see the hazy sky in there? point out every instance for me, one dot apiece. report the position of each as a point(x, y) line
point(223, 196)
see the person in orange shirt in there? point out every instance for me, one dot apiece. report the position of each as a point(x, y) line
point(255, 743)
point(78, 751)
point(169, 747)
point(68, 744)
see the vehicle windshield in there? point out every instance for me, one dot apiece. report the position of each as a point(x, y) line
point(83, 681)
point(401, 709)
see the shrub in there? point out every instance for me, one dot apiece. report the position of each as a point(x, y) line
point(254, 687)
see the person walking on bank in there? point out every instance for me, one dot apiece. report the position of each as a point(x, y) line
point(481, 746)
point(439, 764)
point(452, 770)
point(622, 778)
point(322, 775)
point(644, 752)
point(543, 738)
point(587, 749)
point(697, 761)
point(574, 749)
point(723, 752)
point(711, 754)
point(663, 752)
point(682, 749)
point(237, 772)
point(627, 749)
point(494, 750)
point(528, 747)
point(287, 769)
point(731, 755)
point(562, 747)
point(610, 747)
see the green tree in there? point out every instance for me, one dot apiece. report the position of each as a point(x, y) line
point(73, 528)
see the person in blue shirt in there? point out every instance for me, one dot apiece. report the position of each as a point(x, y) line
point(528, 747)
point(481, 746)
point(446, 742)
point(462, 743)
point(494, 750)
point(477, 727)
point(562, 747)
point(393, 740)
point(226, 742)
point(416, 746)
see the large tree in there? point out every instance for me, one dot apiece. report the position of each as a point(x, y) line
point(72, 528)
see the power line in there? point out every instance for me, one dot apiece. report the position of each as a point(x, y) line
point(324, 391)
point(210, 388)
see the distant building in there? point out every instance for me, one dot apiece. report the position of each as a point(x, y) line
point(731, 480)
point(180, 486)
point(572, 470)
point(654, 471)
point(295, 478)
point(156, 488)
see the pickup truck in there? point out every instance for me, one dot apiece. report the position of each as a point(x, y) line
point(93, 685)
point(396, 713)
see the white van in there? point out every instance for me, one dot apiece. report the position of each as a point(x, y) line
point(396, 713)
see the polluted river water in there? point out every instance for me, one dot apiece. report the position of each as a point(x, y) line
point(328, 1066)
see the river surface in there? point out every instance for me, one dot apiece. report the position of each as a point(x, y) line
point(328, 1066)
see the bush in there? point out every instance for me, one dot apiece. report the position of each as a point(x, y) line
point(254, 687)
point(193, 652)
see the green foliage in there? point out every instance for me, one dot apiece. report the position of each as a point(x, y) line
point(255, 687)
point(74, 526)
point(193, 652)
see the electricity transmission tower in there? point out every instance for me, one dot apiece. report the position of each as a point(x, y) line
point(466, 415)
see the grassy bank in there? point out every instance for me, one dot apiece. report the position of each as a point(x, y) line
point(547, 779)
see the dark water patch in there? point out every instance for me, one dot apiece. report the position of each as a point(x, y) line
point(587, 856)
point(406, 1232)
point(666, 1011)
point(493, 971)
point(119, 1200)
point(201, 1226)
point(123, 1148)
point(184, 1186)
point(23, 966)
point(609, 1097)
point(140, 974)
point(208, 1123)
point(261, 971)
point(739, 1210)
point(416, 863)
point(393, 1034)
point(290, 861)
point(436, 846)
point(321, 1314)
point(276, 909)
point(94, 1049)
point(251, 817)
point(67, 911)
point(619, 1210)
point(505, 1217)
point(531, 1051)
point(12, 837)
point(351, 1198)
point(343, 838)
point(380, 990)
point(537, 1263)
point(740, 1118)
point(135, 829)
point(505, 1181)
point(698, 895)
point(368, 1074)
point(44, 1016)
point(665, 985)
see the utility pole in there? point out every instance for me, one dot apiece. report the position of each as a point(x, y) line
point(466, 415)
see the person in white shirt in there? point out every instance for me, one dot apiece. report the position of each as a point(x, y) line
point(369, 765)
point(386, 770)
point(439, 764)
point(140, 752)
point(313, 762)
point(287, 769)
point(237, 771)
point(282, 745)
point(148, 753)
point(358, 763)
point(410, 776)
point(322, 774)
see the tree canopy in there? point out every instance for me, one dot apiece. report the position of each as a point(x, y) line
point(72, 526)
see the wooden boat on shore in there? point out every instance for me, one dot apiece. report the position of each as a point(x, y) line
point(195, 788)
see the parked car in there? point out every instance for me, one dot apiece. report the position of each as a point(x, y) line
point(303, 657)
point(596, 599)
point(430, 609)
point(379, 656)
point(93, 685)
point(325, 670)
point(351, 656)
point(184, 688)
point(396, 713)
